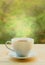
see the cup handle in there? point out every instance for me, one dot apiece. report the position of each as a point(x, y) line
point(7, 46)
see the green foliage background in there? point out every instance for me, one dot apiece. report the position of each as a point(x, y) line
point(22, 18)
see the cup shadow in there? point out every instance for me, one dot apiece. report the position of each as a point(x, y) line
point(32, 59)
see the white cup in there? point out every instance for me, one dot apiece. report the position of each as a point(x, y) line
point(22, 46)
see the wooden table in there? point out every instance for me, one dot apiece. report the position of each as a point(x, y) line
point(37, 60)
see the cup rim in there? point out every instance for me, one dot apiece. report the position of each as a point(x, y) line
point(15, 39)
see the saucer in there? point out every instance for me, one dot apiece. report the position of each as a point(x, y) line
point(14, 55)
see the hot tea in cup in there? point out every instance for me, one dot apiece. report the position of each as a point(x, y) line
point(22, 46)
